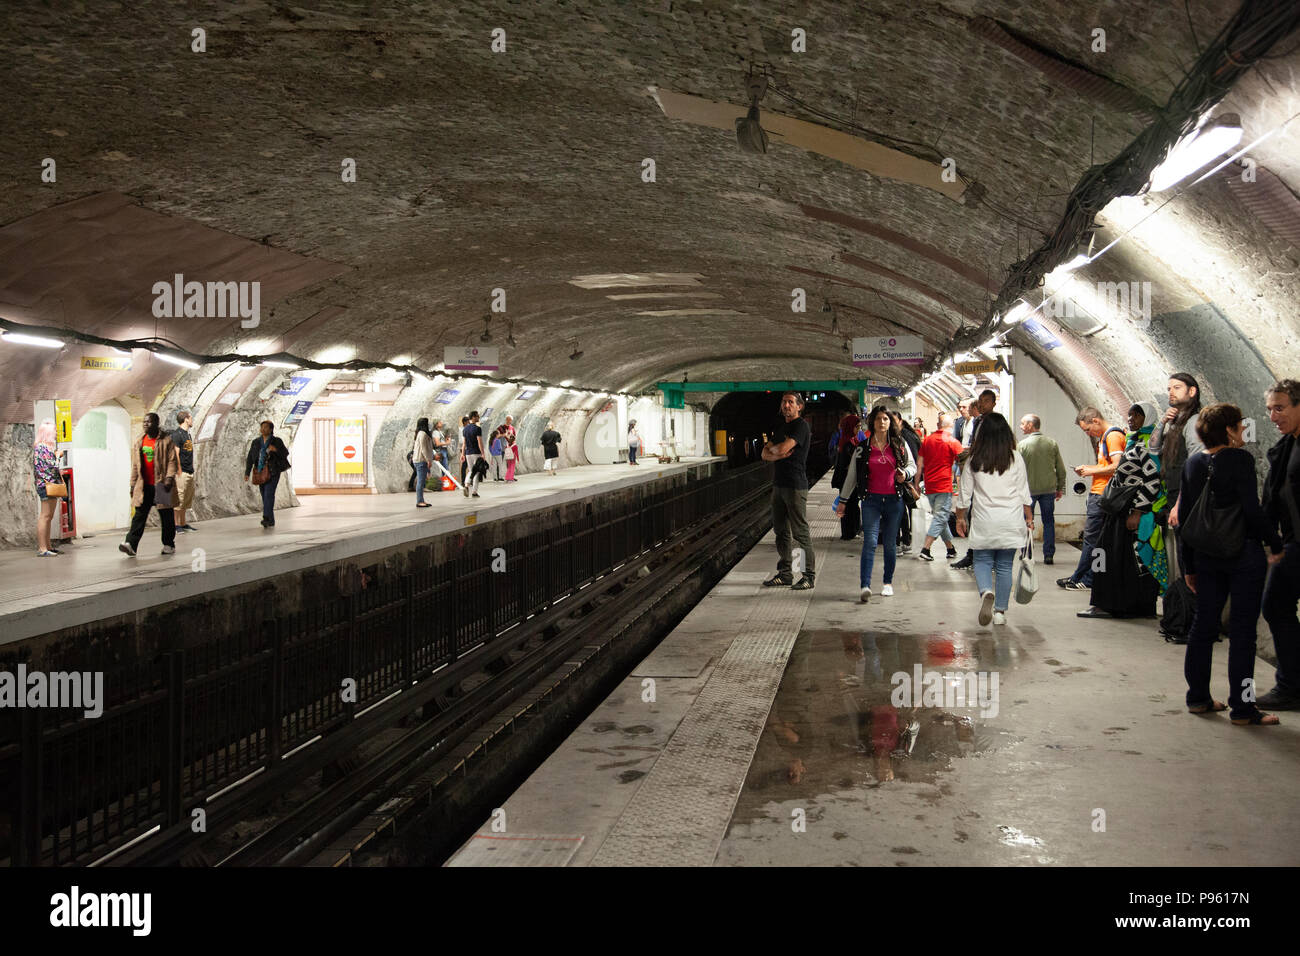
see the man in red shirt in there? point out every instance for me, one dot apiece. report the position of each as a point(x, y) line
point(938, 452)
point(154, 468)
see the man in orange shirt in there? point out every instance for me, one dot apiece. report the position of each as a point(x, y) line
point(1109, 443)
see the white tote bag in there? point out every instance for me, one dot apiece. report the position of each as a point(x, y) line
point(1026, 576)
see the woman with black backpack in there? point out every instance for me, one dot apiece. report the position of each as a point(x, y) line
point(1223, 532)
point(875, 471)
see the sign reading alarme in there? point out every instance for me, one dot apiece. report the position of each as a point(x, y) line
point(349, 445)
point(888, 350)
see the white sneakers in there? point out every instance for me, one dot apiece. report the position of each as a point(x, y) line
point(168, 549)
point(999, 617)
point(865, 595)
point(986, 608)
point(887, 590)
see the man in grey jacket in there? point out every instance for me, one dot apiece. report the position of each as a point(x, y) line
point(1175, 440)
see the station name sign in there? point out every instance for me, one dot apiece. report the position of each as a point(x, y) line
point(888, 350)
point(471, 358)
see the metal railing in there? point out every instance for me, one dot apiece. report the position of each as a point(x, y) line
point(181, 728)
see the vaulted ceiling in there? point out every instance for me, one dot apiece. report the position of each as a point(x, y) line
point(523, 170)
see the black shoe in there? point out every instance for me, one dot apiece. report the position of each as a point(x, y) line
point(475, 495)
point(805, 583)
point(925, 555)
point(964, 563)
point(779, 580)
point(1072, 585)
point(1277, 700)
point(951, 555)
point(265, 523)
point(1047, 560)
point(1093, 612)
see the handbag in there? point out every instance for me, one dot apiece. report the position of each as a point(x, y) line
point(59, 490)
point(1026, 576)
point(1118, 499)
point(262, 475)
point(162, 496)
point(1218, 532)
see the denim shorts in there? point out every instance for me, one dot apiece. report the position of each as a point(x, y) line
point(40, 493)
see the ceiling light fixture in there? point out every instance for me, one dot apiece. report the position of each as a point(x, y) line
point(40, 341)
point(1017, 313)
point(176, 360)
point(577, 352)
point(1194, 150)
point(487, 330)
point(275, 363)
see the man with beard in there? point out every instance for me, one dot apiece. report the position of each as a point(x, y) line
point(1175, 440)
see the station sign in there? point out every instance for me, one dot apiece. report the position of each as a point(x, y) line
point(471, 358)
point(1040, 334)
point(296, 384)
point(106, 363)
point(987, 367)
point(446, 396)
point(297, 413)
point(888, 350)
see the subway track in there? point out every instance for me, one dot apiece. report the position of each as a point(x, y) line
point(393, 762)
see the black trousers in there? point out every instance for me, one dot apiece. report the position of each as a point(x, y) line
point(851, 523)
point(165, 515)
point(1281, 594)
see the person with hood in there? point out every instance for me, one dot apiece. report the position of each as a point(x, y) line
point(1136, 569)
point(155, 464)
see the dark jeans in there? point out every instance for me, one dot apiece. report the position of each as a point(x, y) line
point(851, 523)
point(1091, 532)
point(1047, 504)
point(631, 454)
point(881, 516)
point(1216, 580)
point(268, 498)
point(165, 515)
point(1281, 593)
point(905, 525)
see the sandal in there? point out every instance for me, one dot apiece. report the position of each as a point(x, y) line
point(1212, 707)
point(1257, 719)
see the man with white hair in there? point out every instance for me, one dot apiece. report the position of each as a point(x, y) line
point(550, 449)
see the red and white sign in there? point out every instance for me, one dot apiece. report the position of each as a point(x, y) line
point(888, 350)
point(349, 440)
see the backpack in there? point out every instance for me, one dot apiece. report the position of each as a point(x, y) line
point(1177, 618)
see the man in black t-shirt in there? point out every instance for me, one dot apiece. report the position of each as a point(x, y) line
point(789, 449)
point(473, 438)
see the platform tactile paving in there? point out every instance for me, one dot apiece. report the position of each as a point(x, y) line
point(680, 812)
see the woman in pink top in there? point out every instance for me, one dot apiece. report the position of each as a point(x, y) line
point(876, 468)
point(512, 455)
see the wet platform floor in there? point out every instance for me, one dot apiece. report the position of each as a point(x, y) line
point(1081, 753)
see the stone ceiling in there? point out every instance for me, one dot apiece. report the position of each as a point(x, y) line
point(522, 170)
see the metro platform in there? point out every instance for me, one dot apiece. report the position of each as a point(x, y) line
point(756, 746)
point(92, 580)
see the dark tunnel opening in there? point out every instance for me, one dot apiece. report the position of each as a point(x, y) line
point(748, 419)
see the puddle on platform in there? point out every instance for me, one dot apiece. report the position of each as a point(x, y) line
point(857, 709)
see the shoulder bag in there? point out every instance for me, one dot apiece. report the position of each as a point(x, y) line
point(1026, 576)
point(1217, 532)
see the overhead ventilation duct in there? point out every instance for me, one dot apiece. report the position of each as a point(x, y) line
point(1067, 74)
point(1268, 199)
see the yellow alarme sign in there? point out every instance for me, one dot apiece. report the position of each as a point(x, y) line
point(105, 363)
point(63, 419)
point(978, 368)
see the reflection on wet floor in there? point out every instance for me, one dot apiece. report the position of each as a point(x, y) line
point(856, 709)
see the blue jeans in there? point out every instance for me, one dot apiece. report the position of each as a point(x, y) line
point(1242, 579)
point(940, 508)
point(1091, 532)
point(441, 455)
point(986, 561)
point(1046, 503)
point(631, 454)
point(268, 497)
point(881, 516)
point(421, 476)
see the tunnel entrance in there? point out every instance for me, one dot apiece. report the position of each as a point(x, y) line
point(748, 419)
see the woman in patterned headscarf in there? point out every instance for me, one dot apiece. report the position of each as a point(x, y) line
point(1134, 568)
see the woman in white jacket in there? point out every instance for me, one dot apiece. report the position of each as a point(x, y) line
point(995, 491)
point(874, 472)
